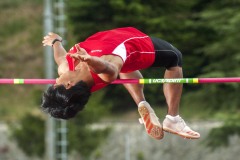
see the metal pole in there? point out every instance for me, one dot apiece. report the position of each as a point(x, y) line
point(127, 147)
point(49, 73)
point(59, 17)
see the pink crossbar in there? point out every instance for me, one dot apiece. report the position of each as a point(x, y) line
point(219, 80)
point(122, 81)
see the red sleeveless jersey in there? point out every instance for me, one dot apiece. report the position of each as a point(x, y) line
point(134, 47)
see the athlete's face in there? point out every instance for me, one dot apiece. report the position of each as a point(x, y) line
point(69, 78)
point(66, 79)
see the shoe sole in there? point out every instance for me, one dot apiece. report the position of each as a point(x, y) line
point(179, 134)
point(153, 130)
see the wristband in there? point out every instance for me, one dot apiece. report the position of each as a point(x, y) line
point(55, 40)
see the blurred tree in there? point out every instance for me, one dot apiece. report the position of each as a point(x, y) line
point(219, 137)
point(30, 135)
point(221, 54)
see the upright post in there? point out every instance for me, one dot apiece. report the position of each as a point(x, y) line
point(50, 146)
point(61, 125)
point(127, 147)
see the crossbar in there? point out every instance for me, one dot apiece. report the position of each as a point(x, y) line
point(131, 81)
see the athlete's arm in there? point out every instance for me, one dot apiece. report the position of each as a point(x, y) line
point(59, 51)
point(107, 67)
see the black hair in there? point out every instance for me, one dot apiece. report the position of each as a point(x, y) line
point(64, 103)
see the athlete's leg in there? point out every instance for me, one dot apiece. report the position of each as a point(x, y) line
point(173, 123)
point(135, 90)
point(171, 58)
point(173, 92)
point(148, 116)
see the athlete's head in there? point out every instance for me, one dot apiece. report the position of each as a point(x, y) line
point(64, 103)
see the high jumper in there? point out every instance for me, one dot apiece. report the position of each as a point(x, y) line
point(103, 57)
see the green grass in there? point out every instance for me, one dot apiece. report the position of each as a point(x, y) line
point(16, 101)
point(12, 27)
point(21, 56)
point(9, 4)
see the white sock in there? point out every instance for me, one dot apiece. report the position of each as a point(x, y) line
point(142, 102)
point(172, 118)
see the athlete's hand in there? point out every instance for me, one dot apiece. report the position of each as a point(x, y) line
point(81, 54)
point(48, 39)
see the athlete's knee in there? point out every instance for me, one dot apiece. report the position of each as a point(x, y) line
point(174, 72)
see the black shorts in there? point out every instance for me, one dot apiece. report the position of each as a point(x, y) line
point(166, 55)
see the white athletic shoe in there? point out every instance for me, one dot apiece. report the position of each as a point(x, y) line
point(176, 125)
point(150, 120)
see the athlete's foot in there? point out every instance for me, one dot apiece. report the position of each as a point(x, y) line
point(176, 125)
point(150, 120)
